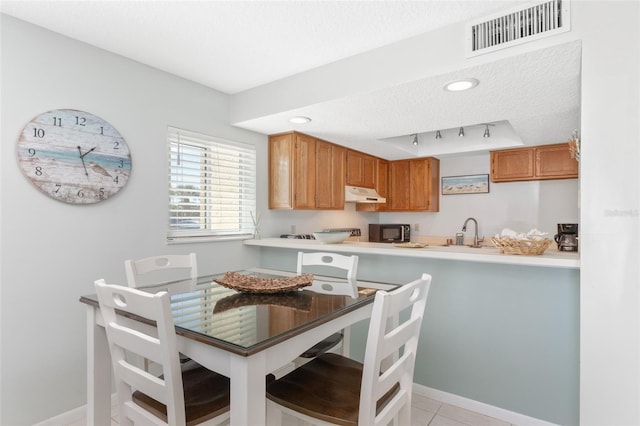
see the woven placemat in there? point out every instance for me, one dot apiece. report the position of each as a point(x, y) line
point(251, 284)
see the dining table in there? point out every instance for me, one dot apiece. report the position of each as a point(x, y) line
point(241, 334)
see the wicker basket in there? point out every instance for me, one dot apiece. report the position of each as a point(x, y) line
point(511, 246)
point(251, 284)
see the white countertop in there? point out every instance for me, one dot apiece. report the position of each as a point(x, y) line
point(550, 258)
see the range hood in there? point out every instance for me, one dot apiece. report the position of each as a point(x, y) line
point(354, 194)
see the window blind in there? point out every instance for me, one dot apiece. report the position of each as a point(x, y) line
point(212, 186)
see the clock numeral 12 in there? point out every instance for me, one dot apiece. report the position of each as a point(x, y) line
point(81, 121)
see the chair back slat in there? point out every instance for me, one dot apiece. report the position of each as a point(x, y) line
point(387, 334)
point(161, 269)
point(124, 339)
point(140, 343)
point(347, 264)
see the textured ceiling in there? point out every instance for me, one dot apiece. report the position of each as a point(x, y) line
point(233, 46)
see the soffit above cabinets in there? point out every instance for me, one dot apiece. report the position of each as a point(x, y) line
point(532, 98)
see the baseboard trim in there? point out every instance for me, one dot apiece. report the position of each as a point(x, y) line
point(74, 416)
point(479, 407)
point(70, 417)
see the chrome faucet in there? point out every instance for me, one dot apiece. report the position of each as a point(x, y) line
point(476, 240)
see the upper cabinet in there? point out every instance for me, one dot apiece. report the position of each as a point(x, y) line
point(305, 173)
point(331, 162)
point(361, 169)
point(309, 173)
point(414, 185)
point(381, 186)
point(533, 163)
point(555, 162)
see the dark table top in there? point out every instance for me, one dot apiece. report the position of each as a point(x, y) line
point(246, 323)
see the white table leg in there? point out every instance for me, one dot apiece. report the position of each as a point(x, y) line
point(248, 389)
point(98, 372)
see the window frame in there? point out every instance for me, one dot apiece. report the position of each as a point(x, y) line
point(222, 176)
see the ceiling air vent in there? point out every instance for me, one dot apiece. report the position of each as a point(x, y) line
point(518, 25)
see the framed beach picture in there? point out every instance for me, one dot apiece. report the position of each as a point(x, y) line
point(468, 184)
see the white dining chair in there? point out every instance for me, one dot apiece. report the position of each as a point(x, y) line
point(333, 389)
point(348, 265)
point(179, 396)
point(175, 273)
point(180, 270)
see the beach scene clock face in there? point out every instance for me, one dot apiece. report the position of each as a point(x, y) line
point(74, 156)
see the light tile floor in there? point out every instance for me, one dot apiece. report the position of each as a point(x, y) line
point(424, 412)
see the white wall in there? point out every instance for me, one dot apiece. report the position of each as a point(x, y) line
point(610, 213)
point(52, 252)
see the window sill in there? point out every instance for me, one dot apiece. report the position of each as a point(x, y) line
point(208, 239)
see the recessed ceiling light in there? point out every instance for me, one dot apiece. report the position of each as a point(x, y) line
point(460, 85)
point(299, 120)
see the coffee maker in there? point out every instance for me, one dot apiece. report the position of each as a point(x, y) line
point(567, 237)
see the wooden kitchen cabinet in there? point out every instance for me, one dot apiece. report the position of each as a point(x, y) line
point(361, 169)
point(533, 163)
point(399, 182)
point(291, 157)
point(305, 173)
point(414, 185)
point(555, 162)
point(512, 165)
point(331, 161)
point(381, 187)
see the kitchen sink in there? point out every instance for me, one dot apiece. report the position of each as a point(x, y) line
point(464, 246)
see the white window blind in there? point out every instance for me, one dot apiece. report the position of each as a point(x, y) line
point(212, 186)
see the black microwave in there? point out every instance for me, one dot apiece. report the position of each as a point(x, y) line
point(389, 233)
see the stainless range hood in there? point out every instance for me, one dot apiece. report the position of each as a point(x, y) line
point(354, 194)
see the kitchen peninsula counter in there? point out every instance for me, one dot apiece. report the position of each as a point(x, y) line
point(550, 258)
point(499, 329)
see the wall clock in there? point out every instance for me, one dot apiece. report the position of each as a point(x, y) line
point(74, 156)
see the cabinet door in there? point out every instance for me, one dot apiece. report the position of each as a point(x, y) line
point(425, 188)
point(304, 172)
point(399, 185)
point(280, 171)
point(512, 165)
point(330, 169)
point(555, 162)
point(361, 169)
point(368, 171)
point(381, 187)
point(418, 196)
